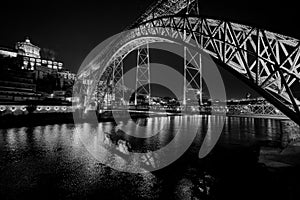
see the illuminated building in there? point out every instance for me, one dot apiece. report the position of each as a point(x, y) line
point(66, 74)
point(6, 52)
point(28, 49)
point(30, 58)
point(26, 75)
point(17, 86)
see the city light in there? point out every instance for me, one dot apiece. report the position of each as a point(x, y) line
point(103, 123)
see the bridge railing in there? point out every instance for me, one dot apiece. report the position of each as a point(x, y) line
point(254, 109)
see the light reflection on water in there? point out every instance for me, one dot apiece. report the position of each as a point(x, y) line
point(28, 155)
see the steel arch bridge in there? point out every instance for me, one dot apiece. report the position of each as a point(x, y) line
point(266, 61)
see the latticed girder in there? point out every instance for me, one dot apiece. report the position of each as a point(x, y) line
point(118, 82)
point(168, 7)
point(192, 87)
point(110, 88)
point(103, 89)
point(143, 73)
point(267, 60)
point(255, 110)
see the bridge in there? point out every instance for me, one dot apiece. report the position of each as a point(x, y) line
point(266, 61)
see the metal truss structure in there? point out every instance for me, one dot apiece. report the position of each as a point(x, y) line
point(266, 61)
point(192, 75)
point(255, 110)
point(249, 110)
point(118, 83)
point(142, 87)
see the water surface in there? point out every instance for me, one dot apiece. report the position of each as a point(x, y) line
point(58, 161)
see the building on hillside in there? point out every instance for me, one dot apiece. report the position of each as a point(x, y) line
point(17, 86)
point(24, 69)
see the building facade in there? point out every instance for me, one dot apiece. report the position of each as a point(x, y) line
point(26, 75)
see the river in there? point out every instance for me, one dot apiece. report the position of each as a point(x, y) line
point(93, 161)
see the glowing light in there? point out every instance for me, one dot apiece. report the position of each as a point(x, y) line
point(13, 109)
point(48, 108)
point(8, 53)
point(2, 108)
point(39, 108)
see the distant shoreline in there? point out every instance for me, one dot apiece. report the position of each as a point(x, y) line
point(42, 119)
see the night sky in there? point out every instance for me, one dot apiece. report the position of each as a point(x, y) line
point(73, 28)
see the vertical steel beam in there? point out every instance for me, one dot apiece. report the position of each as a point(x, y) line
point(142, 87)
point(192, 75)
point(118, 82)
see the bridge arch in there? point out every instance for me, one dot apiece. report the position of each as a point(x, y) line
point(266, 61)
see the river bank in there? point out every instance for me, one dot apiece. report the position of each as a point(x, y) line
point(40, 119)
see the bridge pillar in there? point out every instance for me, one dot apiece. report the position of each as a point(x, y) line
point(118, 82)
point(142, 87)
point(192, 87)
